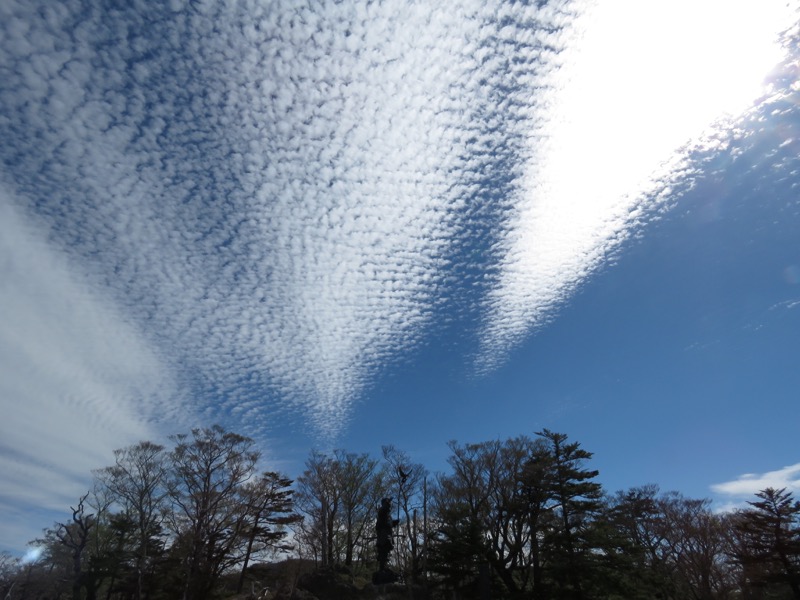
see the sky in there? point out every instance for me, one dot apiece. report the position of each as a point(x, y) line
point(344, 225)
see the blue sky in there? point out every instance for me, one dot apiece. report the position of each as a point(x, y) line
point(347, 225)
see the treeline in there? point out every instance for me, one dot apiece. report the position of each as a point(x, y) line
point(162, 524)
point(520, 518)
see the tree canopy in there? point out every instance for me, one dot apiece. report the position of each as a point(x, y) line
point(525, 517)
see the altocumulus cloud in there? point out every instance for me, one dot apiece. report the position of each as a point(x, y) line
point(270, 195)
point(642, 88)
point(258, 205)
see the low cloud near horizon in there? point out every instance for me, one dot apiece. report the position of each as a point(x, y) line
point(745, 486)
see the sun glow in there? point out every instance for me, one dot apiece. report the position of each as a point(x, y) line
point(638, 84)
point(660, 73)
point(647, 78)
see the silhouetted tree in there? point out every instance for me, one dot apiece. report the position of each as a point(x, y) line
point(576, 499)
point(207, 472)
point(502, 489)
point(641, 524)
point(767, 543)
point(361, 487)
point(457, 548)
point(267, 509)
point(513, 519)
point(698, 544)
point(137, 483)
point(74, 537)
point(534, 490)
point(337, 494)
point(11, 574)
point(319, 498)
point(405, 480)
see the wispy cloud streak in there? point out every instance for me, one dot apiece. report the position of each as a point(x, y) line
point(76, 380)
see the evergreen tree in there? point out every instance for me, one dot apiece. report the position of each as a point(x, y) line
point(577, 500)
point(768, 547)
point(457, 550)
point(266, 510)
point(637, 517)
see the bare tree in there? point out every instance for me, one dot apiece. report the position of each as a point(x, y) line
point(319, 499)
point(500, 492)
point(138, 483)
point(337, 493)
point(10, 574)
point(74, 536)
point(406, 479)
point(207, 472)
point(695, 546)
point(360, 488)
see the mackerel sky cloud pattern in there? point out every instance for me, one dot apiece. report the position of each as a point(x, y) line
point(270, 195)
point(641, 87)
point(247, 211)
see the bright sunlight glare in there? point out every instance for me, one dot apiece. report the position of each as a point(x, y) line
point(640, 82)
point(647, 78)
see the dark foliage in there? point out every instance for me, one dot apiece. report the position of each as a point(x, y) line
point(520, 518)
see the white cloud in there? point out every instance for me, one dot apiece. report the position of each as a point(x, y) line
point(748, 484)
point(76, 382)
point(639, 84)
point(260, 206)
point(248, 205)
point(273, 195)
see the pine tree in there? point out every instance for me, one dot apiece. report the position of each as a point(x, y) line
point(577, 500)
point(768, 546)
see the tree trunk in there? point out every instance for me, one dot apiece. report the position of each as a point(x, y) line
point(250, 541)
